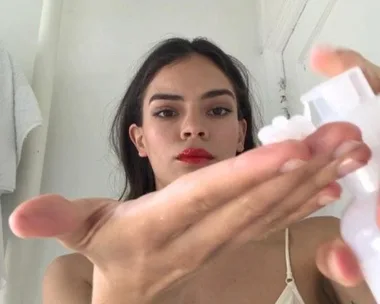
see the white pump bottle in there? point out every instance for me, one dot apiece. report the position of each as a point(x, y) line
point(349, 98)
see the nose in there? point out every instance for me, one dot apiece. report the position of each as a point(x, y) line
point(194, 127)
point(191, 133)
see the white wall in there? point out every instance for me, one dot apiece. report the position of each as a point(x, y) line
point(19, 28)
point(326, 22)
point(19, 25)
point(271, 9)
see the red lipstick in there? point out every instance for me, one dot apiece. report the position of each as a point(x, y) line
point(195, 156)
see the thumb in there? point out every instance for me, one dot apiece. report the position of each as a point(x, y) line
point(331, 62)
point(54, 216)
point(336, 261)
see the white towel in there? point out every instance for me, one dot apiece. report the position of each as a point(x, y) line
point(19, 114)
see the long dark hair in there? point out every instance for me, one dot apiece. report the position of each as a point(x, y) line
point(138, 171)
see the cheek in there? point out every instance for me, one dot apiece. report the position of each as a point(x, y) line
point(228, 135)
point(158, 137)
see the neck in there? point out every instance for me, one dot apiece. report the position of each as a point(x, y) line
point(158, 185)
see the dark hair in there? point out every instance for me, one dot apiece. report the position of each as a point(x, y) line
point(138, 171)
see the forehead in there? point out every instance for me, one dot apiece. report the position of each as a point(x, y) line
point(189, 76)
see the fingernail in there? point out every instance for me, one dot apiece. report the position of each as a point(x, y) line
point(348, 166)
point(292, 165)
point(346, 147)
point(325, 200)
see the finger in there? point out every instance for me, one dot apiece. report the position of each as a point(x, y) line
point(200, 192)
point(194, 195)
point(331, 62)
point(346, 161)
point(265, 208)
point(326, 196)
point(330, 136)
point(44, 216)
point(337, 262)
point(315, 177)
point(55, 216)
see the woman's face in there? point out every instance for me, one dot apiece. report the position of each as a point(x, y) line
point(190, 120)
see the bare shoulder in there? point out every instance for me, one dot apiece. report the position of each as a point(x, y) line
point(309, 234)
point(322, 228)
point(72, 265)
point(68, 279)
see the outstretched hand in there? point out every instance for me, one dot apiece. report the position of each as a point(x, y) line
point(143, 247)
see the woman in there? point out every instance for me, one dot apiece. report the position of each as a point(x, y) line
point(210, 217)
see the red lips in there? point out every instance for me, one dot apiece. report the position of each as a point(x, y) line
point(195, 156)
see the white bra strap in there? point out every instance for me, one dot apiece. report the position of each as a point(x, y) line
point(289, 274)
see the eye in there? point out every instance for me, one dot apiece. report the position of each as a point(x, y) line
point(165, 113)
point(219, 111)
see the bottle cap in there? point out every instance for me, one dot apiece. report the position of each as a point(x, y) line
point(333, 99)
point(349, 97)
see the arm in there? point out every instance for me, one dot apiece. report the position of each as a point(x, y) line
point(65, 281)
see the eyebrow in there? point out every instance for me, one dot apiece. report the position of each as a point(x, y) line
point(208, 94)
